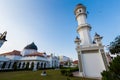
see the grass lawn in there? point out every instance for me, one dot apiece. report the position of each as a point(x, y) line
point(30, 75)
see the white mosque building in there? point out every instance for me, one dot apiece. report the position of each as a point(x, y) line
point(29, 58)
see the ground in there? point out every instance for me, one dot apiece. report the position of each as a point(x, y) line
point(35, 75)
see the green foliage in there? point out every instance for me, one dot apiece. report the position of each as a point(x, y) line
point(114, 70)
point(68, 71)
point(115, 45)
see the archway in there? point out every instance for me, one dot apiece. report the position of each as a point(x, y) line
point(38, 67)
point(14, 65)
point(41, 65)
point(27, 65)
point(19, 65)
point(9, 65)
point(32, 65)
point(44, 65)
point(4, 64)
point(23, 65)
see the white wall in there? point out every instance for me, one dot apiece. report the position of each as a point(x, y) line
point(28, 51)
point(93, 64)
point(85, 36)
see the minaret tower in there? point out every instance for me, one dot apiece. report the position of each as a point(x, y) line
point(91, 55)
point(3, 38)
point(83, 27)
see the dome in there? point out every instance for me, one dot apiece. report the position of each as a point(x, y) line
point(79, 6)
point(31, 46)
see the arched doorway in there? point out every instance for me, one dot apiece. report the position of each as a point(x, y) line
point(23, 65)
point(27, 65)
point(19, 65)
point(9, 65)
point(14, 65)
point(44, 65)
point(32, 65)
point(38, 67)
point(4, 64)
point(41, 65)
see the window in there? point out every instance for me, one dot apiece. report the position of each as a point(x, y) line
point(80, 10)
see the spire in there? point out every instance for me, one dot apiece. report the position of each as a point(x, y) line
point(3, 36)
point(97, 39)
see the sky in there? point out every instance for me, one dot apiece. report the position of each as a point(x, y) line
point(51, 24)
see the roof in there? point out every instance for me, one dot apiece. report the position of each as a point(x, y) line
point(75, 62)
point(31, 46)
point(36, 54)
point(14, 52)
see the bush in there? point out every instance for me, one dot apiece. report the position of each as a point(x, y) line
point(68, 71)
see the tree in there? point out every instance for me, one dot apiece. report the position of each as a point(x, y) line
point(115, 45)
point(114, 70)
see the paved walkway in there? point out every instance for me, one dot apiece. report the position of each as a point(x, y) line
point(76, 74)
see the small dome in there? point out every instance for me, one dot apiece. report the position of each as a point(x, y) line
point(31, 46)
point(79, 6)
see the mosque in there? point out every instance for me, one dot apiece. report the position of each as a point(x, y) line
point(28, 58)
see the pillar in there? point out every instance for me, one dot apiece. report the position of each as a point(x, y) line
point(21, 66)
point(80, 64)
point(30, 63)
point(35, 66)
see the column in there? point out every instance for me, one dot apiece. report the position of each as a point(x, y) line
point(11, 65)
point(43, 65)
point(18, 65)
point(80, 64)
point(25, 65)
point(39, 64)
point(30, 63)
point(35, 66)
point(21, 65)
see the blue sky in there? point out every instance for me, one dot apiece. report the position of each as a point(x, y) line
point(51, 24)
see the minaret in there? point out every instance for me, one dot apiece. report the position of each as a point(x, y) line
point(3, 38)
point(83, 28)
point(91, 55)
